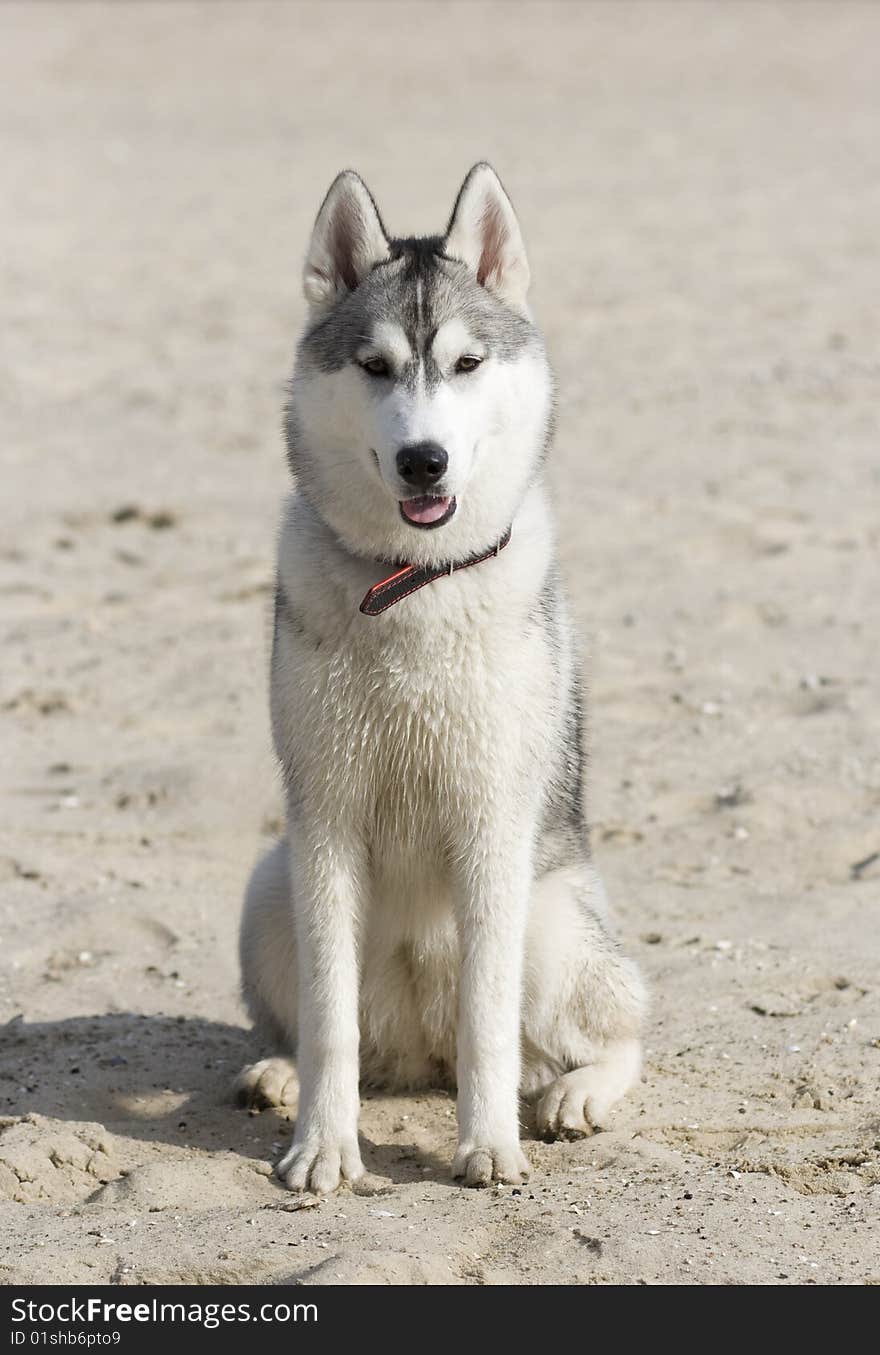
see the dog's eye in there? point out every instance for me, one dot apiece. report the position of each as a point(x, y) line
point(468, 363)
point(376, 367)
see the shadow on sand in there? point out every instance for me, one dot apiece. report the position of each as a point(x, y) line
point(168, 1080)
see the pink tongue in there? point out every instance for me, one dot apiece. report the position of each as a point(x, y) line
point(425, 509)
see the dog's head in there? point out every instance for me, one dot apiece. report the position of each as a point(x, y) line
point(421, 400)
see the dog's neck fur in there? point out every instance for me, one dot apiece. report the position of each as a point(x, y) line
point(324, 580)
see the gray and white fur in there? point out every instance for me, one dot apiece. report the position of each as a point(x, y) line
point(432, 916)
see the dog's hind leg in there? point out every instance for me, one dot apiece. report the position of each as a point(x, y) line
point(267, 946)
point(582, 1011)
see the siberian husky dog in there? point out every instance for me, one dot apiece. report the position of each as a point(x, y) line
point(432, 916)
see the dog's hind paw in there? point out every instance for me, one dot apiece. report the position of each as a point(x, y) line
point(271, 1082)
point(562, 1111)
point(579, 1101)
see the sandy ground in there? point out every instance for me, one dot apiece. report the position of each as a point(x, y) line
point(700, 188)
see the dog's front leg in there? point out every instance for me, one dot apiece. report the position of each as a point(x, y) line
point(492, 925)
point(325, 869)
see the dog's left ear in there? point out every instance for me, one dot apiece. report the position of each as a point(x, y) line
point(484, 233)
point(348, 239)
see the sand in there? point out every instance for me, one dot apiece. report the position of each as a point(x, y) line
point(699, 185)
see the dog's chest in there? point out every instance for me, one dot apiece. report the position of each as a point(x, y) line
point(404, 722)
point(407, 726)
point(420, 714)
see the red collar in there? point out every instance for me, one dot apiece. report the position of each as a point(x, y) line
point(407, 579)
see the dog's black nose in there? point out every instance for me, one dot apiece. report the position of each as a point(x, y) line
point(421, 464)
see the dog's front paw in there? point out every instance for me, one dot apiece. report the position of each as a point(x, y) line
point(320, 1165)
point(480, 1166)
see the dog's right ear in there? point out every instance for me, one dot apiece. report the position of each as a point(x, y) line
point(348, 239)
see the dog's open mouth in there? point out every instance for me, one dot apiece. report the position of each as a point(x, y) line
point(427, 511)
